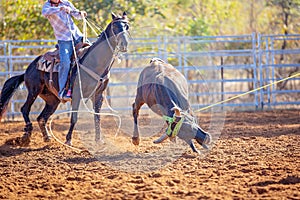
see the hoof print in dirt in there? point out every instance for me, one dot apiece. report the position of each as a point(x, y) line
point(18, 141)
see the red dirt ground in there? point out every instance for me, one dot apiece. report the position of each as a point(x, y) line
point(256, 157)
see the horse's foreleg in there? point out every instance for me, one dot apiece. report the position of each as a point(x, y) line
point(74, 118)
point(97, 107)
point(97, 102)
point(72, 125)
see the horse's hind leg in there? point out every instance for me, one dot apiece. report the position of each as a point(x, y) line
point(51, 105)
point(25, 109)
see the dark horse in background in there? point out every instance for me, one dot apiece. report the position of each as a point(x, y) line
point(94, 69)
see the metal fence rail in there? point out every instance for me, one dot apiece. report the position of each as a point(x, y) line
point(216, 67)
point(275, 64)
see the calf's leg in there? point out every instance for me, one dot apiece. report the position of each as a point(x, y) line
point(135, 112)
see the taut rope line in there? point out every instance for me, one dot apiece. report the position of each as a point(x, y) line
point(237, 96)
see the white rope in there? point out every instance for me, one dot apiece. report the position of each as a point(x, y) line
point(107, 39)
point(79, 76)
point(75, 148)
point(84, 103)
point(84, 30)
point(88, 23)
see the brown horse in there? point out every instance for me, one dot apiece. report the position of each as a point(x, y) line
point(94, 67)
point(165, 90)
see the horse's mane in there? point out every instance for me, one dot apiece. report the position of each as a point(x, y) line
point(102, 37)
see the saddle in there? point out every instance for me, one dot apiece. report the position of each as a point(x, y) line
point(53, 55)
point(50, 60)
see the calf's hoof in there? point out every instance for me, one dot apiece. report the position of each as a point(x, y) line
point(135, 140)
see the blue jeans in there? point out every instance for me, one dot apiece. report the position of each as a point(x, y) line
point(65, 53)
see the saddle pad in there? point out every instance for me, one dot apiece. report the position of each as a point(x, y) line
point(45, 65)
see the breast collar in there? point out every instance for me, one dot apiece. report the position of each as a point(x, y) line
point(54, 4)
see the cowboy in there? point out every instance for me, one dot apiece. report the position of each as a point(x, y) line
point(67, 33)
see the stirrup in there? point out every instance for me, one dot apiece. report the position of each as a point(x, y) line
point(66, 98)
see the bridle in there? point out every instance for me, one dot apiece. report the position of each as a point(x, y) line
point(116, 37)
point(115, 51)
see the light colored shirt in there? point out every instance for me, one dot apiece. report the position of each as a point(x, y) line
point(62, 23)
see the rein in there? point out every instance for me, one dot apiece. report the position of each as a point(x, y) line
point(115, 36)
point(104, 75)
point(101, 78)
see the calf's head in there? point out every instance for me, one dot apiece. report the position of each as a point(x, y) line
point(185, 127)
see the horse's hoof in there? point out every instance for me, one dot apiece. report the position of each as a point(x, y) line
point(11, 142)
point(99, 141)
point(68, 142)
point(47, 139)
point(18, 141)
point(23, 141)
point(135, 140)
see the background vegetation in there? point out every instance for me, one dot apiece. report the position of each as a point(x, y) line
point(22, 19)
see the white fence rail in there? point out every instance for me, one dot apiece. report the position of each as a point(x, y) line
point(216, 67)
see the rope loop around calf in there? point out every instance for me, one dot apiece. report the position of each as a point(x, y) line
point(171, 121)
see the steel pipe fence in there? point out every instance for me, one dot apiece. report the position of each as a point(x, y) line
point(216, 67)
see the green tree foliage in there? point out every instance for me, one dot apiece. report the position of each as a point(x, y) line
point(22, 19)
point(286, 11)
point(141, 12)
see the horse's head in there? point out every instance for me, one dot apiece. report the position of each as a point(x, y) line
point(117, 31)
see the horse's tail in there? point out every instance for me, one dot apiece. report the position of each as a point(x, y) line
point(9, 88)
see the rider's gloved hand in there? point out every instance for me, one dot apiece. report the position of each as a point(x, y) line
point(83, 13)
point(66, 9)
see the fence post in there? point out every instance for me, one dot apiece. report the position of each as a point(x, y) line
point(180, 57)
point(255, 81)
point(159, 48)
point(260, 52)
point(273, 79)
point(267, 79)
point(10, 72)
point(222, 82)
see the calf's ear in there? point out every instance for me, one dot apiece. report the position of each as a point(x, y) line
point(176, 111)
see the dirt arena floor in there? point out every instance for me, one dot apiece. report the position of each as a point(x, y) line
point(256, 157)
